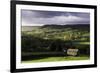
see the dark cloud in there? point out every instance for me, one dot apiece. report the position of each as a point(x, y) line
point(54, 17)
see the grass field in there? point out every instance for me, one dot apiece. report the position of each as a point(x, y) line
point(46, 43)
point(53, 59)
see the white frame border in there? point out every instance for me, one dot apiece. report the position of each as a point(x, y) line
point(20, 65)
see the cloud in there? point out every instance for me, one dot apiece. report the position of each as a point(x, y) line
point(33, 18)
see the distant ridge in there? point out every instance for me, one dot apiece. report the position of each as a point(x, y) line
point(66, 26)
point(54, 26)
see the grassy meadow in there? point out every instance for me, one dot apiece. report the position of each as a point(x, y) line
point(46, 43)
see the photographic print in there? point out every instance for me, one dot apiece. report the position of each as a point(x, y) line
point(53, 36)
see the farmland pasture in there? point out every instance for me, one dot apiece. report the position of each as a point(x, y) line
point(53, 59)
point(40, 40)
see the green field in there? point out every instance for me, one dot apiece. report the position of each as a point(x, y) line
point(46, 43)
point(53, 59)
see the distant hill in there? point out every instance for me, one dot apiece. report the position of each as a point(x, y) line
point(67, 26)
point(54, 26)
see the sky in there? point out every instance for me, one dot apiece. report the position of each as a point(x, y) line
point(40, 18)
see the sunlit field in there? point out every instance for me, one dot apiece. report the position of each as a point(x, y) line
point(53, 59)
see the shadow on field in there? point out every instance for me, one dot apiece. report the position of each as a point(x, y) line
point(32, 45)
point(37, 57)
